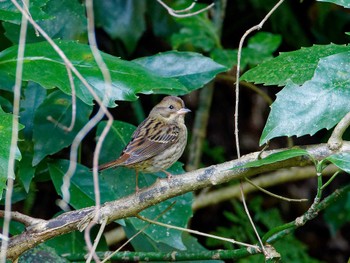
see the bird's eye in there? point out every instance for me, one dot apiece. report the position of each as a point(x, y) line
point(171, 107)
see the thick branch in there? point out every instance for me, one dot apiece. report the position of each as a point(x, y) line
point(161, 190)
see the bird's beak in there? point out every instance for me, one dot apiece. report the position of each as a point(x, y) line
point(183, 111)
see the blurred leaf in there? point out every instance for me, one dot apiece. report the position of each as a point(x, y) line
point(163, 25)
point(7, 82)
point(320, 103)
point(122, 19)
point(344, 3)
point(259, 49)
point(34, 95)
point(26, 171)
point(180, 65)
point(197, 33)
point(74, 243)
point(338, 214)
point(341, 160)
point(41, 253)
point(81, 186)
point(44, 66)
point(5, 145)
point(276, 157)
point(297, 66)
point(64, 23)
point(48, 137)
point(9, 12)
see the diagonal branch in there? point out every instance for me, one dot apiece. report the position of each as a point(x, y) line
point(161, 190)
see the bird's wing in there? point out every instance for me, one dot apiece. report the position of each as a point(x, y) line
point(151, 138)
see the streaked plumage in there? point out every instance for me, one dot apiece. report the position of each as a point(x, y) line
point(158, 141)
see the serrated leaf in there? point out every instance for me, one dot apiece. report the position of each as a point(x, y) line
point(180, 65)
point(48, 136)
point(276, 157)
point(344, 3)
point(296, 66)
point(42, 65)
point(320, 103)
point(114, 15)
point(9, 12)
point(341, 160)
point(5, 144)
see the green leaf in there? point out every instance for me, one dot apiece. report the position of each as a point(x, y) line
point(341, 160)
point(65, 23)
point(41, 253)
point(50, 138)
point(26, 171)
point(74, 243)
point(81, 186)
point(297, 66)
point(114, 15)
point(5, 144)
point(197, 33)
point(344, 3)
point(42, 65)
point(259, 49)
point(9, 12)
point(34, 95)
point(180, 65)
point(276, 157)
point(320, 103)
point(338, 214)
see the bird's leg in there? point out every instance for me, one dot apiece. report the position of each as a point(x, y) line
point(137, 181)
point(169, 175)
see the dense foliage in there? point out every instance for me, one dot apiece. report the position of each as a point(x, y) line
point(148, 51)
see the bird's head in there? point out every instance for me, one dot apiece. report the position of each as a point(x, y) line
point(170, 109)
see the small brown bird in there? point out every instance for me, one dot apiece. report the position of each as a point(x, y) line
point(158, 141)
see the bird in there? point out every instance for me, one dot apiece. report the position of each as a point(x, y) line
point(158, 142)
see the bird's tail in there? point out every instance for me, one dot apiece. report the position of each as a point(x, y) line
point(113, 163)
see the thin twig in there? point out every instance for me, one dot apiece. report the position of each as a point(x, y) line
point(108, 84)
point(92, 249)
point(22, 218)
point(240, 46)
point(14, 135)
point(274, 195)
point(197, 232)
point(176, 13)
point(335, 141)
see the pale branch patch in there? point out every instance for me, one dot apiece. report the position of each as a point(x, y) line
point(162, 189)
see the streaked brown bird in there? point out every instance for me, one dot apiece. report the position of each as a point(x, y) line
point(158, 141)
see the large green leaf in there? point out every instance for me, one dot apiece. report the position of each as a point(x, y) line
point(81, 184)
point(64, 23)
point(9, 12)
point(297, 66)
point(5, 144)
point(42, 65)
point(180, 65)
point(42, 253)
point(320, 103)
point(122, 182)
point(344, 3)
point(48, 136)
point(122, 19)
point(341, 160)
